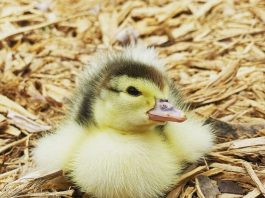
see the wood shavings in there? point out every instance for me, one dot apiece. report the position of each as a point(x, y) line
point(259, 12)
point(228, 195)
point(127, 36)
point(213, 50)
point(33, 181)
point(67, 193)
point(27, 124)
point(6, 102)
point(226, 75)
point(8, 146)
point(254, 193)
point(206, 187)
point(191, 173)
point(183, 30)
point(254, 177)
point(228, 167)
point(206, 7)
point(247, 142)
point(13, 131)
point(57, 93)
point(230, 187)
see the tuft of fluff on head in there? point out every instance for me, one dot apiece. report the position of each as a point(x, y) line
point(138, 53)
point(143, 54)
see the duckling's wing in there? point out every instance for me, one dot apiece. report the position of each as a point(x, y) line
point(54, 151)
point(191, 139)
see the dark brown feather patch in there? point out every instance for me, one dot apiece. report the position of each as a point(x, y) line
point(135, 69)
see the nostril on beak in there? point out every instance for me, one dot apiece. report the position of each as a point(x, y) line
point(163, 100)
point(164, 105)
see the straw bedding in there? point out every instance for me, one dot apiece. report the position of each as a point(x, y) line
point(214, 50)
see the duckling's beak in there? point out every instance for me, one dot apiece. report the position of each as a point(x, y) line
point(165, 111)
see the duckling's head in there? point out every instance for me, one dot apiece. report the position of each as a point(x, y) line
point(127, 93)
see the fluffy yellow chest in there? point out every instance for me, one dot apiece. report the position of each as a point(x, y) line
point(109, 164)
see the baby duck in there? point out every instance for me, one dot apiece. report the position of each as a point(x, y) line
point(126, 134)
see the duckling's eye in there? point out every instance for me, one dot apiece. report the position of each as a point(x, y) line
point(133, 91)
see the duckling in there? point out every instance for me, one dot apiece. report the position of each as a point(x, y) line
point(128, 132)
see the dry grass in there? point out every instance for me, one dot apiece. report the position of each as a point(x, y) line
point(215, 51)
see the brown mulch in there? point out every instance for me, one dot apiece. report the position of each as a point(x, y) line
point(214, 50)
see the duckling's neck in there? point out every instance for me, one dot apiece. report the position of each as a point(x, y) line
point(126, 130)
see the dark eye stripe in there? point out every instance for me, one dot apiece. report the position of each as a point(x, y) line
point(133, 91)
point(114, 90)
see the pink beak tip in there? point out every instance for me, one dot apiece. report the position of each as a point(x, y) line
point(165, 111)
